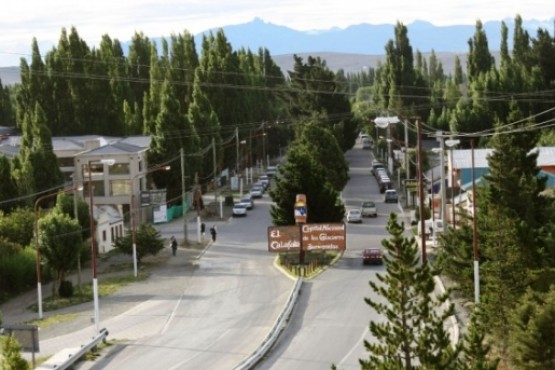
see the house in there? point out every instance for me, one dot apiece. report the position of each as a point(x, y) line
point(109, 227)
point(114, 167)
point(459, 164)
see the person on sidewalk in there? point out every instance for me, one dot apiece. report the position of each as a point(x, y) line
point(173, 244)
point(213, 232)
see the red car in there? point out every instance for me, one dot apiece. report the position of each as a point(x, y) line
point(372, 256)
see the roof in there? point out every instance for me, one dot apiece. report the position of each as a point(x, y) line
point(83, 145)
point(116, 148)
point(110, 211)
point(462, 158)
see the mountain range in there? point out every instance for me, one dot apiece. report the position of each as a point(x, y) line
point(353, 48)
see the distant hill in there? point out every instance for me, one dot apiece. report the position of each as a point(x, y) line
point(351, 48)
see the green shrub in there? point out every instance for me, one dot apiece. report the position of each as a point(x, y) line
point(66, 289)
point(17, 272)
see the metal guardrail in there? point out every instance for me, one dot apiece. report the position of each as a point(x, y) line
point(67, 357)
point(273, 335)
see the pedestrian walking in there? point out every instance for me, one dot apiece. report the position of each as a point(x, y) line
point(213, 232)
point(173, 245)
point(203, 229)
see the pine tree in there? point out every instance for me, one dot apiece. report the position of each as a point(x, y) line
point(324, 147)
point(475, 350)
point(303, 174)
point(413, 334)
point(11, 355)
point(533, 324)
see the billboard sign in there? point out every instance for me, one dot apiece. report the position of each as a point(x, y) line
point(324, 236)
point(284, 239)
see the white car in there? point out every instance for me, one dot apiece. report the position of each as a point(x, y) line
point(354, 216)
point(247, 201)
point(239, 209)
point(265, 181)
point(257, 191)
point(368, 209)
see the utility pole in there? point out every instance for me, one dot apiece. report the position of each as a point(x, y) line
point(197, 195)
point(421, 193)
point(443, 187)
point(407, 162)
point(183, 198)
point(475, 235)
point(215, 170)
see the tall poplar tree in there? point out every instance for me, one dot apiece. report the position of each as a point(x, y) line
point(8, 188)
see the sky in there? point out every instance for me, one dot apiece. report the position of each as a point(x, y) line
point(21, 21)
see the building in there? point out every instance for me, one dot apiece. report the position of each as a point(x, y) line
point(114, 167)
point(459, 185)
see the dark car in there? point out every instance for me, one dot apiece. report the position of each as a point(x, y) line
point(372, 256)
point(391, 196)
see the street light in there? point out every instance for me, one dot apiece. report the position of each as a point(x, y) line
point(108, 162)
point(384, 122)
point(132, 209)
point(452, 143)
point(37, 244)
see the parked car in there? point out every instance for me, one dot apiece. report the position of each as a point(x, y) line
point(354, 216)
point(257, 192)
point(366, 143)
point(239, 210)
point(372, 256)
point(375, 166)
point(248, 202)
point(385, 184)
point(391, 196)
point(265, 181)
point(271, 171)
point(380, 172)
point(368, 209)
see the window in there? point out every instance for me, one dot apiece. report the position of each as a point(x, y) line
point(98, 189)
point(65, 161)
point(97, 169)
point(120, 187)
point(119, 169)
point(103, 235)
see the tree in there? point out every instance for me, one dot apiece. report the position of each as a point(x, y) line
point(36, 152)
point(60, 239)
point(8, 188)
point(17, 226)
point(303, 174)
point(148, 242)
point(65, 204)
point(480, 59)
point(475, 351)
point(412, 335)
point(11, 358)
point(325, 148)
point(533, 324)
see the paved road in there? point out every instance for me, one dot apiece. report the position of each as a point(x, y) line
point(208, 312)
point(331, 318)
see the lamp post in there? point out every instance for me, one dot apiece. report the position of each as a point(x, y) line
point(421, 191)
point(384, 122)
point(452, 143)
point(132, 210)
point(37, 244)
point(109, 162)
point(475, 234)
